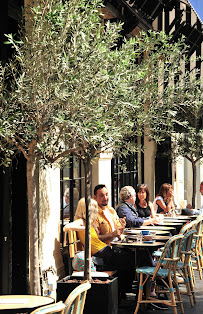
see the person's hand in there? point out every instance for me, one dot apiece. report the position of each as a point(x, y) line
point(96, 228)
point(117, 232)
point(155, 220)
point(158, 219)
point(123, 221)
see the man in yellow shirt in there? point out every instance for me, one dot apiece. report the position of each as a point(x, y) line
point(109, 225)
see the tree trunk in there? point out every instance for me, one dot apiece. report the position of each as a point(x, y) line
point(33, 227)
point(193, 183)
point(87, 270)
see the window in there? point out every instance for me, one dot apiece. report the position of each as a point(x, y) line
point(71, 190)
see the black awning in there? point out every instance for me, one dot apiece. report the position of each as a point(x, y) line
point(142, 13)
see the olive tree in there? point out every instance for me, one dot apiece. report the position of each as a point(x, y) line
point(188, 142)
point(69, 89)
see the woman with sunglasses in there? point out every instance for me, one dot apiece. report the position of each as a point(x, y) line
point(164, 201)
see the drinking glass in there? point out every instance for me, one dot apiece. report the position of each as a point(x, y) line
point(139, 237)
point(152, 233)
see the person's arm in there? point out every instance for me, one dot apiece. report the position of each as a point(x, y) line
point(197, 211)
point(75, 225)
point(152, 210)
point(108, 237)
point(166, 208)
point(150, 221)
point(131, 220)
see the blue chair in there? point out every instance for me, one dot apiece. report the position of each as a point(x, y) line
point(76, 299)
point(164, 273)
point(53, 308)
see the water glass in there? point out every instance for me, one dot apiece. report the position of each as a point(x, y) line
point(152, 233)
point(139, 237)
point(161, 218)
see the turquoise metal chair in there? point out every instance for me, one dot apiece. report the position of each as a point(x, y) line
point(53, 308)
point(76, 299)
point(164, 272)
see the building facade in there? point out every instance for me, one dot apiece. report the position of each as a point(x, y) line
point(172, 16)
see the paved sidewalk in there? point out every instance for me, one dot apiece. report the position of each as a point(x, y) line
point(128, 306)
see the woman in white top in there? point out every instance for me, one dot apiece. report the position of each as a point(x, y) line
point(163, 202)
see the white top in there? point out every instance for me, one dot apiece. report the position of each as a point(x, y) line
point(155, 206)
point(198, 211)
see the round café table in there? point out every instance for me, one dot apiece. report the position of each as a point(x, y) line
point(175, 226)
point(171, 229)
point(162, 238)
point(22, 303)
point(137, 231)
point(134, 245)
point(179, 218)
point(156, 227)
point(181, 221)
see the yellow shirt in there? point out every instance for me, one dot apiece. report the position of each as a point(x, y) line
point(96, 244)
point(103, 225)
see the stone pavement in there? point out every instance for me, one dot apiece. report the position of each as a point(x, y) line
point(128, 306)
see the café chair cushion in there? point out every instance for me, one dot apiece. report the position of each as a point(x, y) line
point(78, 262)
point(150, 270)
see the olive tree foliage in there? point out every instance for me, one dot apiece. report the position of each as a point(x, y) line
point(69, 89)
point(188, 142)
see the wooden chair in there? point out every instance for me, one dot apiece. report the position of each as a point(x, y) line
point(75, 246)
point(53, 308)
point(166, 268)
point(76, 299)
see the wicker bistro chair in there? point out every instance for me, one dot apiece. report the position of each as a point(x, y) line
point(76, 299)
point(201, 242)
point(184, 266)
point(164, 271)
point(189, 226)
point(53, 308)
point(197, 246)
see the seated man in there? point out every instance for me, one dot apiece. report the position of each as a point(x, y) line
point(127, 209)
point(109, 226)
point(189, 210)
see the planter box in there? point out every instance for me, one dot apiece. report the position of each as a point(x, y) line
point(101, 298)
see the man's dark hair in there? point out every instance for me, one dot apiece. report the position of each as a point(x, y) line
point(98, 187)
